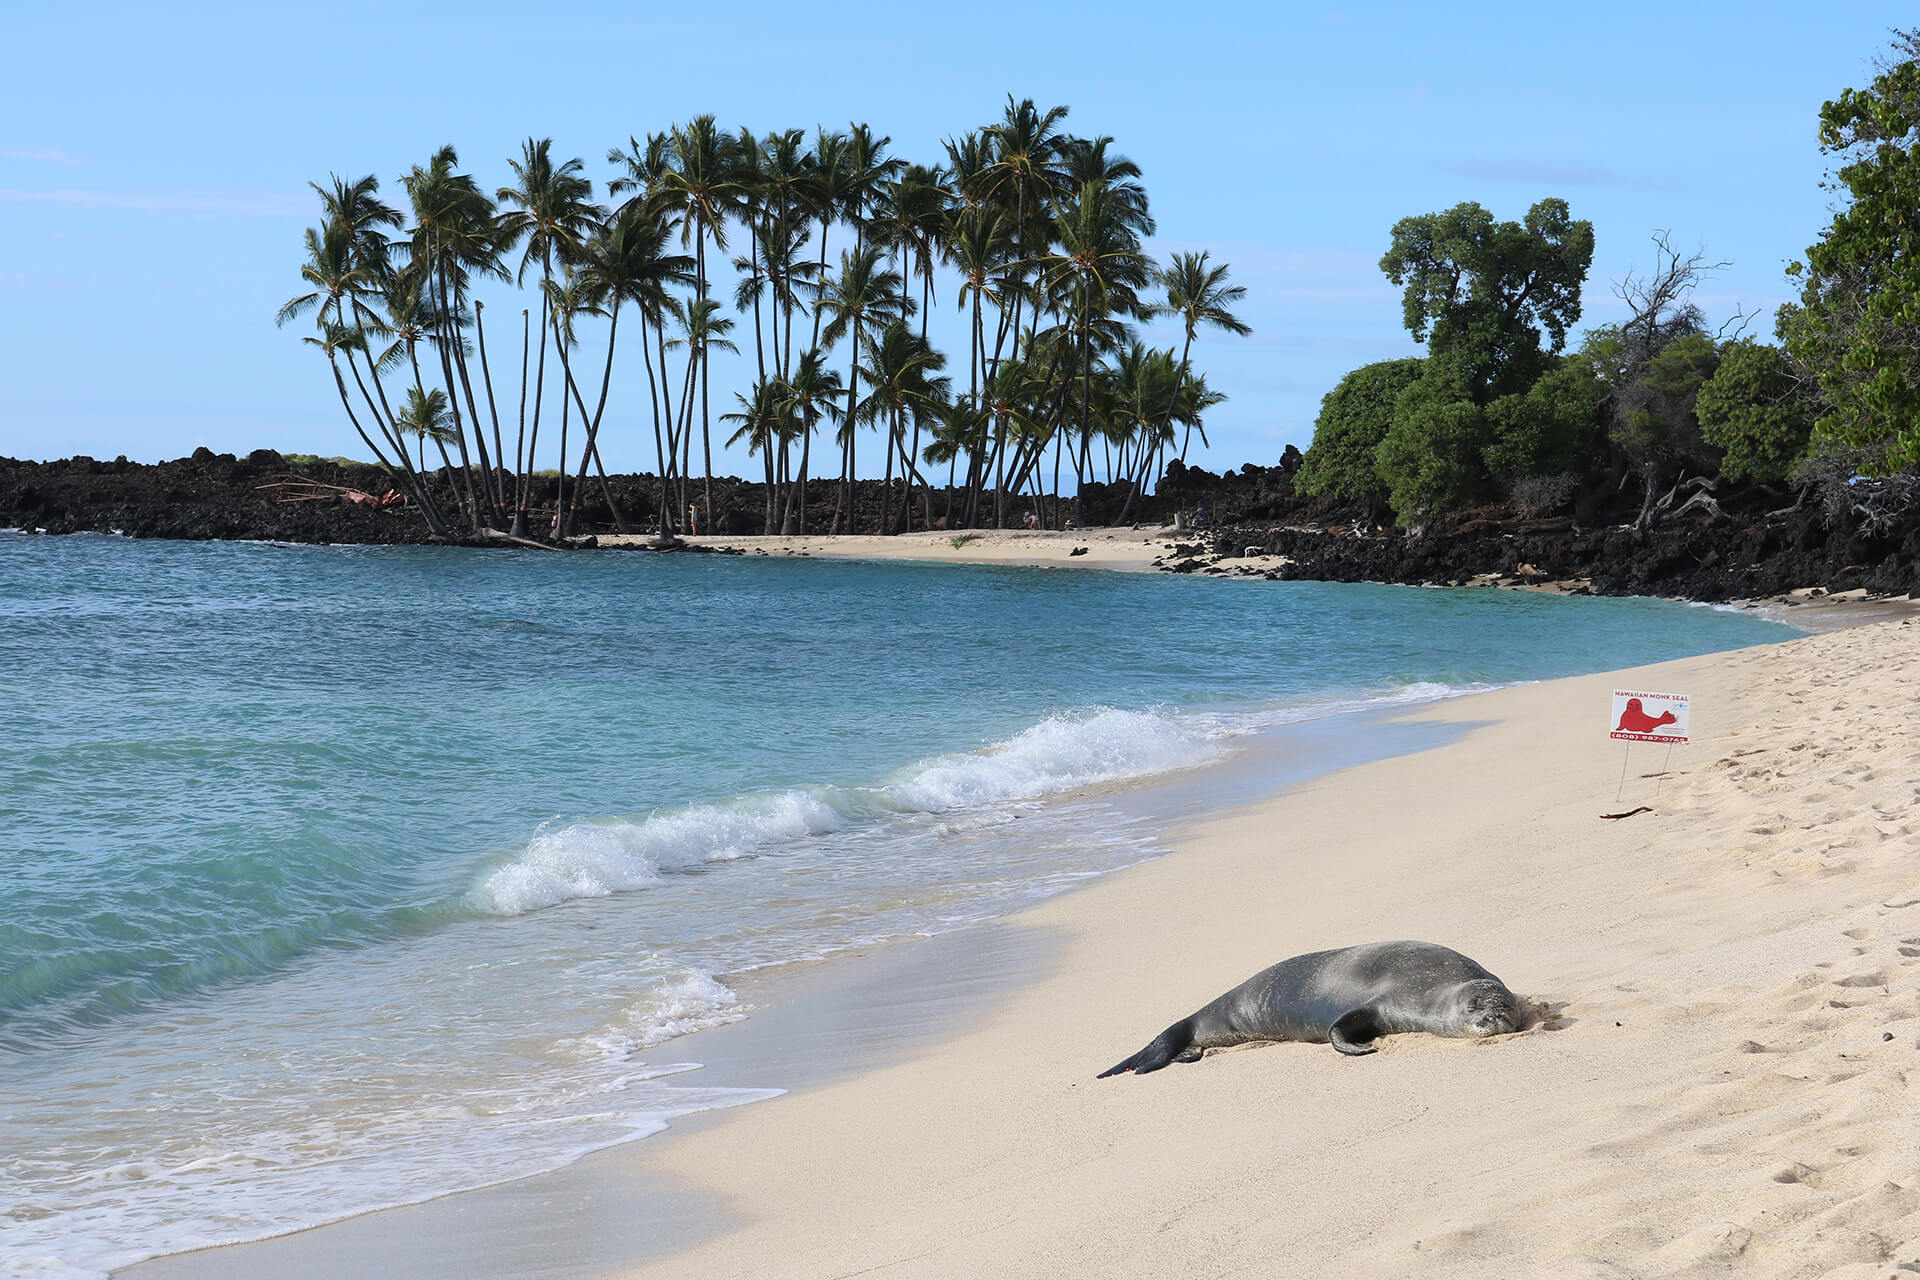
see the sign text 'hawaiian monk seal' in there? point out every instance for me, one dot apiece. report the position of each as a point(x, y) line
point(1350, 997)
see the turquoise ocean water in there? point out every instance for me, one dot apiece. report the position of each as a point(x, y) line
point(335, 878)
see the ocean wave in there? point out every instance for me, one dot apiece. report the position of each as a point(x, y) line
point(1060, 754)
point(691, 1001)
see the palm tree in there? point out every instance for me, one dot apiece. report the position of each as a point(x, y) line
point(1094, 273)
point(760, 419)
point(1199, 295)
point(646, 166)
point(785, 169)
point(569, 298)
point(860, 294)
point(406, 319)
point(901, 368)
point(700, 180)
point(1023, 179)
point(1086, 160)
point(455, 233)
point(968, 160)
point(809, 394)
point(555, 215)
point(910, 218)
point(425, 415)
point(1007, 405)
point(824, 191)
point(354, 206)
point(340, 286)
point(625, 261)
point(703, 331)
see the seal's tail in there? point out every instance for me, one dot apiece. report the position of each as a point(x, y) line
point(1173, 1044)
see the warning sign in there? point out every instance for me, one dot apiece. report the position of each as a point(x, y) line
point(1649, 717)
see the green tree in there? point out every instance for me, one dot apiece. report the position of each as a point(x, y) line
point(1431, 457)
point(1197, 294)
point(1755, 408)
point(903, 372)
point(1094, 276)
point(555, 216)
point(1860, 331)
point(1658, 423)
point(700, 180)
point(1353, 420)
point(425, 417)
point(1479, 293)
point(861, 293)
point(1545, 431)
point(807, 395)
point(455, 234)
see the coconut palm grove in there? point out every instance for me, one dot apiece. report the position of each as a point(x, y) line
point(819, 259)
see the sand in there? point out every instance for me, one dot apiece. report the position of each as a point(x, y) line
point(1723, 1081)
point(1125, 549)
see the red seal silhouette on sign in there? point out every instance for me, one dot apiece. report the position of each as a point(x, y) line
point(1649, 717)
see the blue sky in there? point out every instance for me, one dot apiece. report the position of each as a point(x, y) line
point(153, 163)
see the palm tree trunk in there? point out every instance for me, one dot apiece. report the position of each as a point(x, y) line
point(886, 495)
point(706, 430)
point(417, 493)
point(521, 466)
point(669, 464)
point(590, 451)
point(489, 479)
point(851, 481)
point(486, 376)
point(659, 443)
point(560, 493)
point(1173, 401)
point(453, 404)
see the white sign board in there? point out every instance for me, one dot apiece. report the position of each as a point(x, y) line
point(1649, 717)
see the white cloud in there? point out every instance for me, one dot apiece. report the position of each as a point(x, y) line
point(51, 155)
point(190, 204)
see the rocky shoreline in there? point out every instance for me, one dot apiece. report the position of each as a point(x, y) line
point(1245, 523)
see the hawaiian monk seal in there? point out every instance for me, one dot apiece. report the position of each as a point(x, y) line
point(1351, 997)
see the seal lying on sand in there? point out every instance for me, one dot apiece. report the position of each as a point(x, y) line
point(1351, 997)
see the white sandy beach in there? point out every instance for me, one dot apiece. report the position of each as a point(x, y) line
point(1725, 1086)
point(1725, 1083)
point(1129, 549)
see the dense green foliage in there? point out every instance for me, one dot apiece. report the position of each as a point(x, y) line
point(1753, 409)
point(1551, 426)
point(1495, 409)
point(1480, 293)
point(1353, 420)
point(1430, 458)
point(1859, 333)
point(1493, 302)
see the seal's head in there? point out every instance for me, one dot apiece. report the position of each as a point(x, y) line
point(1488, 1009)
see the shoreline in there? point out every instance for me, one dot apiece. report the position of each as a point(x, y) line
point(812, 1023)
point(1031, 1153)
point(1256, 525)
point(1144, 550)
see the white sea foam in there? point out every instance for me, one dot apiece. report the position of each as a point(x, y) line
point(593, 859)
point(692, 1001)
point(1059, 754)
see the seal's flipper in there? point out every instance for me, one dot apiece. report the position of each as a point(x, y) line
point(1355, 1031)
point(1175, 1044)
